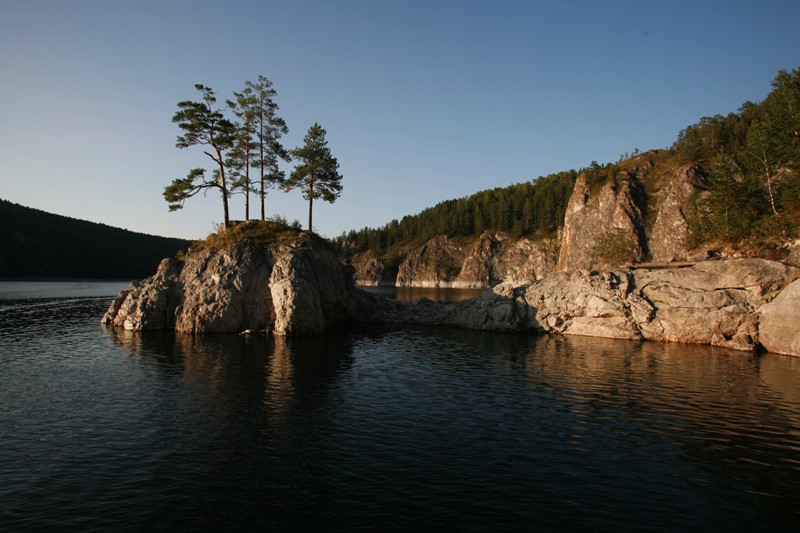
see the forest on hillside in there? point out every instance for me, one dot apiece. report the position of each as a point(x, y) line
point(750, 161)
point(531, 208)
point(752, 164)
point(36, 244)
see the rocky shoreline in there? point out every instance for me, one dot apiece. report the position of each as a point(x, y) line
point(299, 287)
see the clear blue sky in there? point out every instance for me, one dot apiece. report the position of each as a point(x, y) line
point(423, 100)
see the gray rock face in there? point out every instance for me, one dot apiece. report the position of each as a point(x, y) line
point(436, 263)
point(779, 329)
point(299, 287)
point(296, 287)
point(593, 212)
point(370, 271)
point(669, 238)
point(713, 303)
point(645, 205)
point(491, 259)
point(495, 258)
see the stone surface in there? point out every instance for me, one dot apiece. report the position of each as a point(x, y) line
point(370, 271)
point(496, 257)
point(593, 211)
point(299, 287)
point(645, 202)
point(290, 288)
point(714, 302)
point(669, 238)
point(779, 327)
point(437, 263)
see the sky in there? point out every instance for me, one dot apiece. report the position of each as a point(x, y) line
point(422, 100)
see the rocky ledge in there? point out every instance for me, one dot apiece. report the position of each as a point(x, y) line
point(296, 286)
point(740, 304)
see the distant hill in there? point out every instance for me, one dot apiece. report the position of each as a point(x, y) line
point(36, 244)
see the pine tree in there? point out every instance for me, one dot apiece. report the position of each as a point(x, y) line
point(317, 173)
point(205, 126)
point(268, 129)
point(243, 153)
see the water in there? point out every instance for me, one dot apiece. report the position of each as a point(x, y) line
point(390, 428)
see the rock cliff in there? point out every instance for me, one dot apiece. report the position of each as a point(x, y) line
point(487, 261)
point(297, 286)
point(294, 285)
point(369, 271)
point(640, 211)
point(437, 263)
point(496, 257)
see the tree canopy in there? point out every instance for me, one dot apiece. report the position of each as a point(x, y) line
point(236, 147)
point(316, 174)
point(752, 161)
point(202, 125)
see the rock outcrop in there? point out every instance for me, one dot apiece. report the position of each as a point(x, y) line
point(722, 303)
point(643, 206)
point(595, 212)
point(491, 259)
point(290, 287)
point(779, 327)
point(437, 263)
point(496, 257)
point(369, 273)
point(297, 286)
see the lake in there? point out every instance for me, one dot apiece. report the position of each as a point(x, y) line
point(382, 428)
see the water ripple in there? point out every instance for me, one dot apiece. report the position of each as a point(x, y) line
point(383, 427)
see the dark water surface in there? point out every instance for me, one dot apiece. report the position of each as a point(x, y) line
point(385, 428)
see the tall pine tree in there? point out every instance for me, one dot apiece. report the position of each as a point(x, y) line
point(202, 125)
point(317, 173)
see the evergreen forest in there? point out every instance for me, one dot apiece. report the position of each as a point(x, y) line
point(36, 244)
point(534, 208)
point(751, 160)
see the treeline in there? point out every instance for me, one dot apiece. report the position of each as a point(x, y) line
point(529, 208)
point(752, 161)
point(36, 244)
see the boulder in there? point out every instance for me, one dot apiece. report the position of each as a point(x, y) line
point(779, 327)
point(713, 302)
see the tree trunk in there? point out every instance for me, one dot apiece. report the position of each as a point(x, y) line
point(223, 189)
point(261, 160)
point(765, 160)
point(262, 194)
point(247, 193)
point(310, 205)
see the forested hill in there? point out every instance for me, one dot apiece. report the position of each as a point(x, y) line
point(36, 244)
point(530, 208)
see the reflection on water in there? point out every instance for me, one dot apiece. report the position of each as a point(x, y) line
point(388, 427)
